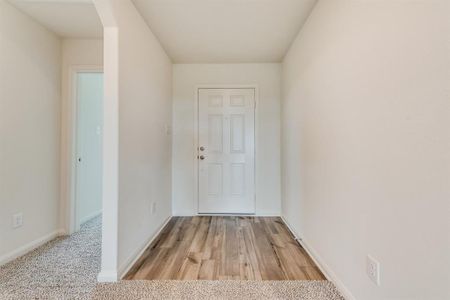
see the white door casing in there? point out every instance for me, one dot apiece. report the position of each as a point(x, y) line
point(226, 152)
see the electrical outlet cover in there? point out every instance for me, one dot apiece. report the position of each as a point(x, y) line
point(373, 269)
point(17, 220)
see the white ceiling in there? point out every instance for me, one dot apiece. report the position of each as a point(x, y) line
point(67, 18)
point(211, 31)
point(191, 31)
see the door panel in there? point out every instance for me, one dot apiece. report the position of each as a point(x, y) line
point(238, 179)
point(237, 123)
point(215, 133)
point(215, 180)
point(226, 151)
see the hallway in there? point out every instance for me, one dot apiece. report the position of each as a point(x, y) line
point(225, 248)
point(235, 149)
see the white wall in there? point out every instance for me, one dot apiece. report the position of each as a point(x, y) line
point(29, 130)
point(76, 54)
point(186, 78)
point(139, 72)
point(366, 144)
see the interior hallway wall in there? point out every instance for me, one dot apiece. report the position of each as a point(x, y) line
point(366, 144)
point(76, 53)
point(138, 90)
point(30, 84)
point(186, 78)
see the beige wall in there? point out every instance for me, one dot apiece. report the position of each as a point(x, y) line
point(76, 53)
point(186, 78)
point(138, 78)
point(366, 144)
point(145, 109)
point(29, 131)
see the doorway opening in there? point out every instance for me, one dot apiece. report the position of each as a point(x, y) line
point(87, 169)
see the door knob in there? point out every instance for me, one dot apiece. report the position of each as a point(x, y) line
point(202, 148)
point(202, 157)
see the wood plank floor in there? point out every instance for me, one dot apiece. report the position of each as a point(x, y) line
point(219, 248)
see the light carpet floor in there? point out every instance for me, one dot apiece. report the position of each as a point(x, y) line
point(67, 267)
point(223, 289)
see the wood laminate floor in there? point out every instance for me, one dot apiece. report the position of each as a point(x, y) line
point(220, 248)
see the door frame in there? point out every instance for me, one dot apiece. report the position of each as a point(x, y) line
point(255, 87)
point(71, 122)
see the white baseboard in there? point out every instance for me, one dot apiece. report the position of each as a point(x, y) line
point(132, 259)
point(30, 246)
point(229, 215)
point(107, 276)
point(186, 213)
point(91, 216)
point(320, 262)
point(270, 215)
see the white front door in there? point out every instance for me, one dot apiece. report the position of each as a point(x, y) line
point(226, 153)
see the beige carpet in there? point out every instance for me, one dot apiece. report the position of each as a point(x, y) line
point(224, 289)
point(65, 268)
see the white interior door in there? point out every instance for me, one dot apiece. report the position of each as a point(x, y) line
point(88, 192)
point(226, 154)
